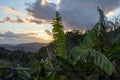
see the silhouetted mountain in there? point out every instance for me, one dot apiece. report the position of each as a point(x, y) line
point(33, 47)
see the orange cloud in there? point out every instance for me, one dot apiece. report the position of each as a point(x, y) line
point(31, 36)
point(44, 2)
point(42, 34)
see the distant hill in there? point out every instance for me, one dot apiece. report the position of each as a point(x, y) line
point(33, 47)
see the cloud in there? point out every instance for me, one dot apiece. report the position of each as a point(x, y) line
point(9, 34)
point(76, 14)
point(19, 17)
point(17, 38)
point(11, 11)
point(23, 20)
point(44, 2)
point(110, 13)
point(79, 14)
point(8, 19)
point(46, 12)
point(48, 32)
point(83, 13)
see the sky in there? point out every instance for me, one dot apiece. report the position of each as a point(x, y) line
point(24, 21)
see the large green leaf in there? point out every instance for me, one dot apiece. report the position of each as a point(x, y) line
point(76, 53)
point(51, 76)
point(114, 48)
point(95, 37)
point(102, 61)
point(23, 72)
point(98, 59)
point(36, 67)
point(35, 78)
point(89, 40)
point(93, 41)
point(88, 43)
point(65, 64)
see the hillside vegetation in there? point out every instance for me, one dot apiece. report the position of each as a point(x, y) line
point(94, 55)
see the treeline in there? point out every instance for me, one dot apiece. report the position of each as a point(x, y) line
point(15, 57)
point(27, 58)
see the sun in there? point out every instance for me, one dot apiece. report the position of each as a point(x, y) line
point(41, 34)
point(54, 1)
point(44, 2)
point(109, 14)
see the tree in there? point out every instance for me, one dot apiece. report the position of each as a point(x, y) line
point(92, 49)
point(74, 38)
point(59, 36)
point(42, 53)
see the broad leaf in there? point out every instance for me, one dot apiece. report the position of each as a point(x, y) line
point(103, 62)
point(51, 76)
point(114, 48)
point(36, 67)
point(98, 59)
point(23, 72)
point(76, 53)
point(65, 64)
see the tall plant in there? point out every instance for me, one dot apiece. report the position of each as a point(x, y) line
point(93, 47)
point(59, 36)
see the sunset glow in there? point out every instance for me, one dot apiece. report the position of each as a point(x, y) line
point(30, 20)
point(109, 14)
point(54, 1)
point(44, 2)
point(42, 35)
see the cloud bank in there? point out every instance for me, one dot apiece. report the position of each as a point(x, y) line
point(79, 14)
point(17, 38)
point(19, 17)
point(76, 14)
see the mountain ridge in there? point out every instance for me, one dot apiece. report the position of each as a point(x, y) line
point(32, 47)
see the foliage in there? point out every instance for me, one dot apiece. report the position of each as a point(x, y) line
point(72, 56)
point(95, 50)
point(74, 38)
point(59, 36)
point(42, 53)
